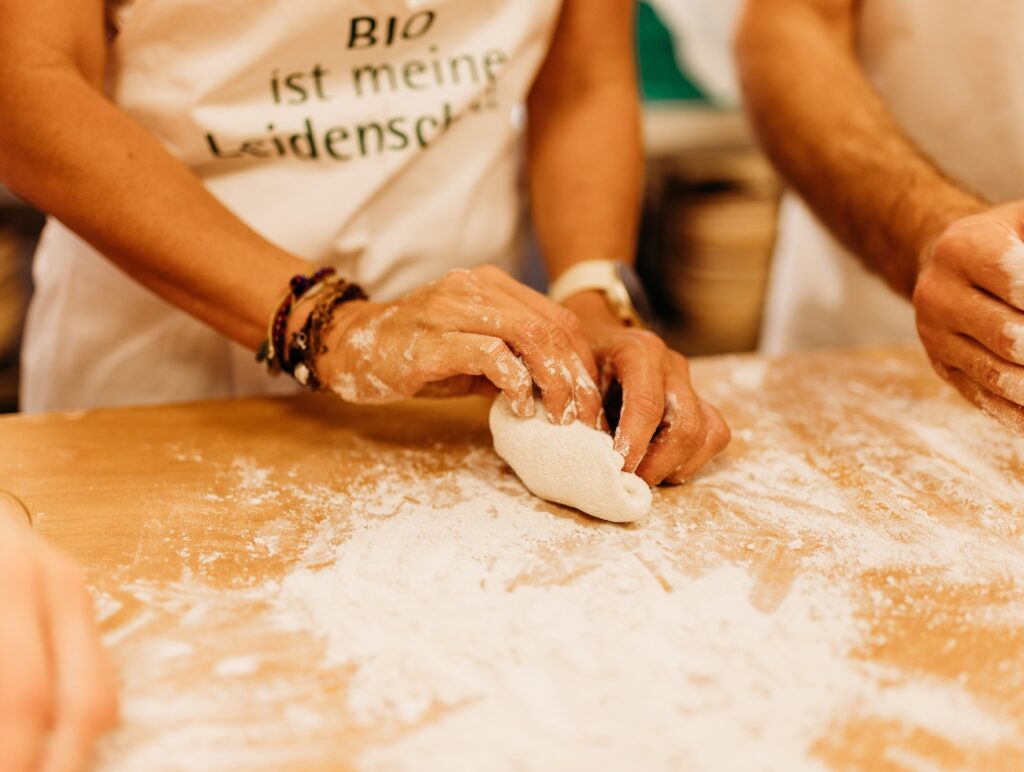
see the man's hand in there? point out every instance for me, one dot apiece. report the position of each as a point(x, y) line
point(57, 692)
point(665, 431)
point(969, 300)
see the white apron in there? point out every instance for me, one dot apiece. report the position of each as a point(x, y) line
point(377, 136)
point(949, 72)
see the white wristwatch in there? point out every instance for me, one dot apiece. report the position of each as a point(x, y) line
point(615, 280)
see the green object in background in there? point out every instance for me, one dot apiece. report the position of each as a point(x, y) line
point(661, 80)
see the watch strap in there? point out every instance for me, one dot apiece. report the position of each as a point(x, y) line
point(600, 276)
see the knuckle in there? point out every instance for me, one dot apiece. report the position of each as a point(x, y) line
point(721, 435)
point(495, 349)
point(459, 278)
point(651, 341)
point(534, 331)
point(487, 272)
point(927, 292)
point(646, 406)
point(990, 375)
point(679, 363)
point(569, 322)
point(957, 240)
point(1010, 345)
point(690, 428)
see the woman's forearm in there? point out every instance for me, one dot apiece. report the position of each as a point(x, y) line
point(66, 149)
point(584, 142)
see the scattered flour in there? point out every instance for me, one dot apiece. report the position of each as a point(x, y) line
point(452, 621)
point(237, 666)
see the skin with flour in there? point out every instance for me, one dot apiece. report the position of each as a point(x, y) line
point(957, 257)
point(572, 464)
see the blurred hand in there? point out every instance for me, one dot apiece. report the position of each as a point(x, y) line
point(665, 431)
point(969, 301)
point(57, 689)
point(470, 332)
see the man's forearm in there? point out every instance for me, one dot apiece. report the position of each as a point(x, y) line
point(585, 145)
point(834, 141)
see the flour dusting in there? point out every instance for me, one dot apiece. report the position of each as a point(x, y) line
point(852, 570)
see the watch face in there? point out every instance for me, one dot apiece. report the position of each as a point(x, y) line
point(635, 289)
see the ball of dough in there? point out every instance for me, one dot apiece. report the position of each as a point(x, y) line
point(572, 465)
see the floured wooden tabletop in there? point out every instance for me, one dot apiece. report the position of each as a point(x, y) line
point(298, 584)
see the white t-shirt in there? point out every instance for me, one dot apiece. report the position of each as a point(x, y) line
point(377, 137)
point(949, 73)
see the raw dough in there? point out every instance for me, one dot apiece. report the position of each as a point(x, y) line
point(572, 465)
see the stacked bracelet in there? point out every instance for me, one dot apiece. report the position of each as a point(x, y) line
point(296, 358)
point(307, 345)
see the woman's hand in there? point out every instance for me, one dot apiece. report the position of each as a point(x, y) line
point(57, 690)
point(665, 431)
point(472, 331)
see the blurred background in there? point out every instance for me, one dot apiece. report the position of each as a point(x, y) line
point(710, 205)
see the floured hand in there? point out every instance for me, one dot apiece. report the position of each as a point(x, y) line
point(665, 431)
point(472, 331)
point(969, 301)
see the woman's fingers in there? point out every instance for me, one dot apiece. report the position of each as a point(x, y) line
point(549, 339)
point(544, 349)
point(85, 693)
point(26, 699)
point(637, 363)
point(716, 439)
point(683, 430)
point(554, 313)
point(482, 355)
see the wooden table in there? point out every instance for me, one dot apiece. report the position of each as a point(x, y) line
point(299, 584)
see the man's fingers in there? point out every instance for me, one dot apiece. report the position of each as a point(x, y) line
point(1002, 276)
point(26, 696)
point(997, 326)
point(86, 696)
point(682, 431)
point(993, 374)
point(958, 308)
point(1005, 412)
point(638, 365)
point(716, 439)
point(472, 354)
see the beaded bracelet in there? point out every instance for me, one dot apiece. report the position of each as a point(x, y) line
point(272, 348)
point(307, 345)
